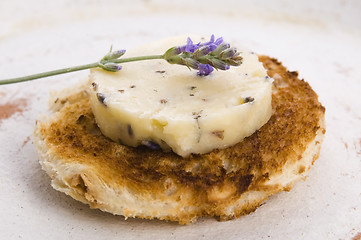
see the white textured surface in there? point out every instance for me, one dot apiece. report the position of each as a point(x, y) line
point(322, 40)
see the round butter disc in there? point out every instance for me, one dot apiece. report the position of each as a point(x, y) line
point(158, 104)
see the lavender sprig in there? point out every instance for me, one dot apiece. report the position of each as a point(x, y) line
point(203, 57)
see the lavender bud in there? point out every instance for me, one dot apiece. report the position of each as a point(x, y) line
point(112, 67)
point(228, 53)
point(190, 63)
point(234, 61)
point(204, 69)
point(173, 52)
point(187, 61)
point(218, 64)
point(220, 48)
point(150, 144)
point(101, 98)
point(114, 55)
point(202, 51)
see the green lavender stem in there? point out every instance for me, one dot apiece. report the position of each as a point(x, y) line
point(133, 59)
point(77, 68)
point(203, 57)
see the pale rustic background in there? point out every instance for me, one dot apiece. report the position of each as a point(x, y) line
point(321, 39)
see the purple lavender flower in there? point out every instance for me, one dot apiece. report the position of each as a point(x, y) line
point(190, 47)
point(204, 69)
point(219, 41)
point(213, 44)
point(204, 56)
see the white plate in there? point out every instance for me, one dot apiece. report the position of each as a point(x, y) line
point(320, 39)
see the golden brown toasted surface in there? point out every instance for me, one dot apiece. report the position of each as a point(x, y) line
point(243, 167)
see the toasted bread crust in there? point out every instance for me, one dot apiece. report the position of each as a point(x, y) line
point(225, 183)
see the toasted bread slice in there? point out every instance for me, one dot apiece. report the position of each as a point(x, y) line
point(144, 183)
